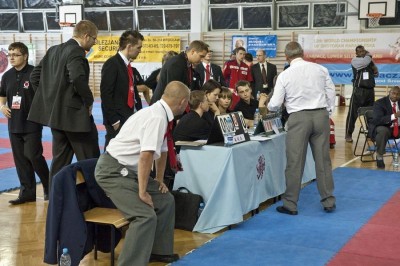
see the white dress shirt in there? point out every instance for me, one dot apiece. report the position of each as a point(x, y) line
point(303, 86)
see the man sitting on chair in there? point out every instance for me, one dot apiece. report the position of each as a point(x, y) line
point(385, 123)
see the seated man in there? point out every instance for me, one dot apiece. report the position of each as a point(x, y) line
point(191, 126)
point(247, 105)
point(385, 123)
point(123, 173)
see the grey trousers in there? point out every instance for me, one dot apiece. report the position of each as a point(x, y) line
point(308, 127)
point(151, 231)
point(383, 133)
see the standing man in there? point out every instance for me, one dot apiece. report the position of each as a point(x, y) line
point(16, 94)
point(309, 93)
point(63, 100)
point(263, 74)
point(119, 94)
point(236, 70)
point(364, 71)
point(180, 68)
point(123, 172)
point(385, 123)
point(208, 70)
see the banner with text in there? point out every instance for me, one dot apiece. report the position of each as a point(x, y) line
point(336, 51)
point(252, 43)
point(153, 48)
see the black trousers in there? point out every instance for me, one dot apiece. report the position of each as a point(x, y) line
point(85, 145)
point(27, 151)
point(360, 98)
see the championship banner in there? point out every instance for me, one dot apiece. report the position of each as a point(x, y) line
point(336, 51)
point(252, 43)
point(153, 48)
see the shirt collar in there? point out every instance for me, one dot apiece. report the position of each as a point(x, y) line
point(296, 60)
point(126, 61)
point(168, 110)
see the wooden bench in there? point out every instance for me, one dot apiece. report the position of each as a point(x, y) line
point(103, 216)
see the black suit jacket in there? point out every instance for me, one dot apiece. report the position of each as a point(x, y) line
point(114, 91)
point(381, 115)
point(216, 73)
point(175, 69)
point(257, 83)
point(191, 127)
point(62, 94)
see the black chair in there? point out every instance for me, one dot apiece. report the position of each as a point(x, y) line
point(368, 146)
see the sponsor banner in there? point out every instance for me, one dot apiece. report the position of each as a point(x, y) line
point(336, 51)
point(252, 43)
point(153, 48)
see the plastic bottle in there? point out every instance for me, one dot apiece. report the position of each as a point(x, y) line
point(256, 118)
point(228, 138)
point(396, 160)
point(65, 259)
point(258, 96)
point(201, 208)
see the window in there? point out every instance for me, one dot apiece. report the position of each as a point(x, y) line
point(162, 2)
point(9, 22)
point(38, 4)
point(224, 18)
point(293, 16)
point(99, 18)
point(33, 21)
point(263, 15)
point(324, 16)
point(177, 19)
point(51, 21)
point(121, 20)
point(107, 3)
point(150, 19)
point(10, 4)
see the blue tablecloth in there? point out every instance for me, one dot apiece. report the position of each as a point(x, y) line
point(235, 180)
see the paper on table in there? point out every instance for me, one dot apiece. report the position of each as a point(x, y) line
point(259, 138)
point(196, 143)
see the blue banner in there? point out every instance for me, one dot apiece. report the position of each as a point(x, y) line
point(252, 43)
point(389, 74)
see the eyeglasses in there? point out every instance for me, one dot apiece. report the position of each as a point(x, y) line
point(95, 39)
point(13, 55)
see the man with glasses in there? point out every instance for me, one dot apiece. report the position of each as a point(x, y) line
point(263, 74)
point(16, 95)
point(63, 100)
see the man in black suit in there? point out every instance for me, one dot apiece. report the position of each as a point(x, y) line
point(208, 70)
point(263, 74)
point(180, 68)
point(119, 83)
point(63, 100)
point(385, 122)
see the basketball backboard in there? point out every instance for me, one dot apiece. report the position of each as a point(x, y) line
point(71, 13)
point(385, 7)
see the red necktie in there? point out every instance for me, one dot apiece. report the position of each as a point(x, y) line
point(131, 94)
point(264, 74)
point(173, 162)
point(207, 73)
point(395, 123)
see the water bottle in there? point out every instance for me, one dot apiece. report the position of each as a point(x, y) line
point(228, 138)
point(256, 118)
point(258, 96)
point(201, 208)
point(395, 160)
point(65, 259)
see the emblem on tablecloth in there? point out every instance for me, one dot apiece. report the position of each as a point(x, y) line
point(260, 166)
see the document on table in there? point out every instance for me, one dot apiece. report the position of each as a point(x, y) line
point(259, 138)
point(196, 143)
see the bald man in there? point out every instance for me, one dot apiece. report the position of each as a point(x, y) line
point(123, 172)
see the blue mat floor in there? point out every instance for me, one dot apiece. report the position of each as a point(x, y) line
point(311, 238)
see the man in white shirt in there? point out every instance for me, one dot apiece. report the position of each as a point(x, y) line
point(123, 172)
point(309, 95)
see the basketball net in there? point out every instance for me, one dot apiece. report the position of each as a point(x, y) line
point(373, 19)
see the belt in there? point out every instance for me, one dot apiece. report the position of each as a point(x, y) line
point(316, 109)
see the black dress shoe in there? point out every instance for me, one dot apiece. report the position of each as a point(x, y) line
point(282, 209)
point(21, 200)
point(380, 164)
point(330, 209)
point(164, 258)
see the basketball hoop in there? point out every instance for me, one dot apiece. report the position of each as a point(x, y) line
point(373, 19)
point(66, 24)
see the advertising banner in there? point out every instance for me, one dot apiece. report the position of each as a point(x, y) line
point(252, 43)
point(336, 51)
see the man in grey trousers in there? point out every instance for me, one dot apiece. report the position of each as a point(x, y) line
point(309, 95)
point(123, 171)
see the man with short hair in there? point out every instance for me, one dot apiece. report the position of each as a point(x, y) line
point(385, 123)
point(363, 69)
point(247, 105)
point(119, 80)
point(309, 95)
point(123, 172)
point(208, 70)
point(63, 100)
point(263, 74)
point(16, 94)
point(181, 68)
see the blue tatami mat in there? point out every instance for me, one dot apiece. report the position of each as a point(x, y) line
point(311, 238)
